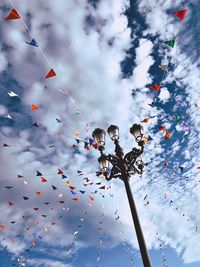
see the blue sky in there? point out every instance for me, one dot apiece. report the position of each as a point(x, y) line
point(106, 55)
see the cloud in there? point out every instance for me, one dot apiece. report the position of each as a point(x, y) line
point(86, 48)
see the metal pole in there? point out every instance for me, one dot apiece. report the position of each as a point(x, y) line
point(138, 229)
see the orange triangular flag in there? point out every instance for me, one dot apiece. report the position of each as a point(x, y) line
point(13, 15)
point(146, 120)
point(2, 227)
point(155, 87)
point(34, 107)
point(51, 73)
point(43, 180)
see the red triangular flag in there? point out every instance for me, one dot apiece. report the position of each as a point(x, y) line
point(72, 187)
point(51, 73)
point(155, 87)
point(13, 15)
point(34, 107)
point(91, 198)
point(10, 203)
point(61, 201)
point(43, 180)
point(75, 199)
point(36, 209)
point(161, 128)
point(60, 171)
point(180, 14)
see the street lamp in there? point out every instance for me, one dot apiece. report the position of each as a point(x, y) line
point(123, 167)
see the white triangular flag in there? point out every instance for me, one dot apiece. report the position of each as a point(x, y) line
point(8, 116)
point(12, 94)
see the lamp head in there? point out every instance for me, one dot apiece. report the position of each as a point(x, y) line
point(99, 137)
point(137, 131)
point(113, 131)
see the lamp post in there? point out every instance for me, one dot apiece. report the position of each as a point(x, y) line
point(123, 167)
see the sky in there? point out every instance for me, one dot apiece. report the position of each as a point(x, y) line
point(66, 68)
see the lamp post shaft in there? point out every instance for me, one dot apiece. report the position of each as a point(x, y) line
point(138, 229)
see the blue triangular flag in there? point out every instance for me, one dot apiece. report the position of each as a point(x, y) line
point(73, 193)
point(32, 42)
point(82, 191)
point(38, 173)
point(64, 176)
point(91, 141)
point(58, 120)
point(150, 138)
point(54, 188)
point(36, 124)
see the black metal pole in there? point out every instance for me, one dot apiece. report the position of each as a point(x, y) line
point(138, 229)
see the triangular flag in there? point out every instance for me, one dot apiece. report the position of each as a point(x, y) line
point(38, 173)
point(86, 146)
point(161, 128)
point(36, 124)
point(170, 43)
point(6, 145)
point(91, 141)
point(36, 209)
point(61, 201)
point(82, 191)
point(102, 187)
point(64, 176)
point(75, 199)
point(150, 138)
point(8, 187)
point(178, 118)
point(19, 176)
point(13, 15)
point(2, 227)
point(25, 198)
point(54, 188)
point(32, 42)
point(58, 120)
point(34, 107)
point(163, 67)
point(91, 198)
point(8, 116)
point(77, 112)
point(72, 187)
point(43, 180)
point(33, 243)
point(95, 146)
point(10, 203)
point(146, 120)
point(12, 94)
point(60, 171)
point(73, 193)
point(68, 182)
point(51, 73)
point(155, 87)
point(165, 164)
point(180, 14)
point(167, 134)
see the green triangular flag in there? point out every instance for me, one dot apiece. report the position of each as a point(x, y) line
point(170, 43)
point(178, 118)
